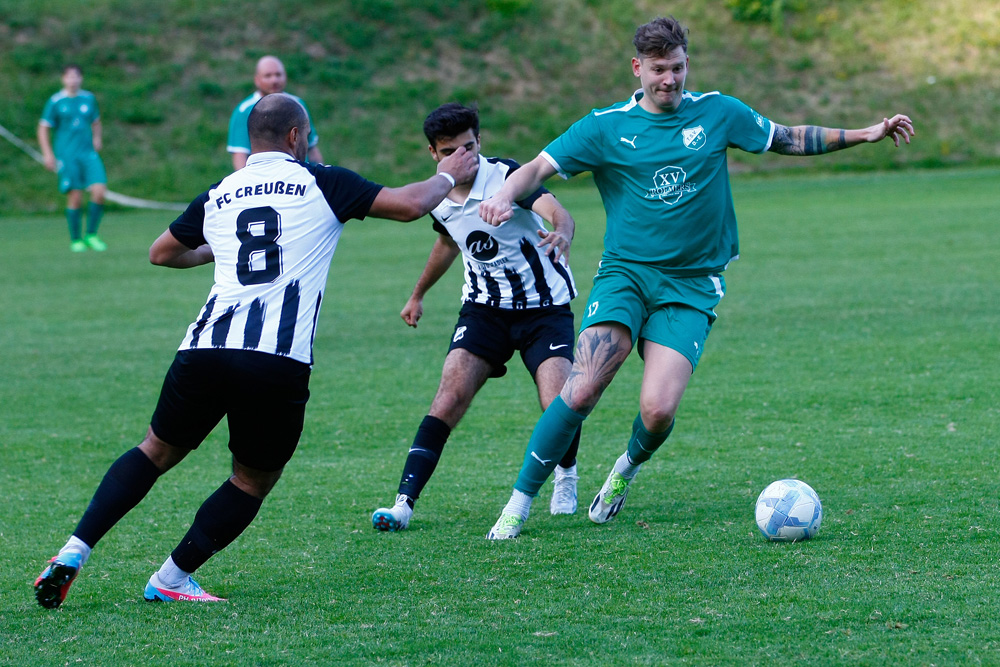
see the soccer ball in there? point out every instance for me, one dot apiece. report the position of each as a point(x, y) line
point(788, 511)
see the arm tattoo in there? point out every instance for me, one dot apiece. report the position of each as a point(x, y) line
point(807, 140)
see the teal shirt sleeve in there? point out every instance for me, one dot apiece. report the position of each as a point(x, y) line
point(96, 112)
point(239, 136)
point(746, 129)
point(48, 113)
point(578, 149)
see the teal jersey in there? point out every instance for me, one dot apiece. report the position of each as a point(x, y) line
point(71, 118)
point(664, 178)
point(239, 136)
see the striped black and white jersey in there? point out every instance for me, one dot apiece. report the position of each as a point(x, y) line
point(504, 268)
point(273, 227)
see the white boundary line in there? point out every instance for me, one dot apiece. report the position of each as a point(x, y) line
point(124, 200)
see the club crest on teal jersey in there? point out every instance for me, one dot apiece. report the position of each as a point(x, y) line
point(694, 137)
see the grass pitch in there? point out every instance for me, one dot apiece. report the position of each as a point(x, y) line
point(856, 349)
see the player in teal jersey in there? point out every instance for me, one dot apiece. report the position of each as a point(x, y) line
point(659, 163)
point(72, 115)
point(269, 77)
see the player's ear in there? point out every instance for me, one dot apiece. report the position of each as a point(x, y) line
point(434, 153)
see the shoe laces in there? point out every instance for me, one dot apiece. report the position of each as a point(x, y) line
point(508, 521)
point(618, 486)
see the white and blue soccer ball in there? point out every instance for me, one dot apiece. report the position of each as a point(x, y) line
point(788, 511)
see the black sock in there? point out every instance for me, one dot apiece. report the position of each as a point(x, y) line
point(569, 458)
point(424, 455)
point(127, 481)
point(221, 519)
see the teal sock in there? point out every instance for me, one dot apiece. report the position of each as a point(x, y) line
point(94, 214)
point(642, 444)
point(74, 217)
point(552, 436)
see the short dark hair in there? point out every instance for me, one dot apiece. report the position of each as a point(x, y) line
point(68, 66)
point(450, 120)
point(274, 116)
point(659, 37)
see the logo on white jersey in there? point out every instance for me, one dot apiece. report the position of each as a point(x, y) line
point(459, 334)
point(630, 142)
point(482, 246)
point(669, 185)
point(694, 137)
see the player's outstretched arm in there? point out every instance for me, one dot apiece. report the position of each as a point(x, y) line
point(168, 251)
point(563, 226)
point(442, 255)
point(813, 140)
point(417, 199)
point(520, 183)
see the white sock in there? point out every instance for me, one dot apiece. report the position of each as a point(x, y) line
point(519, 503)
point(566, 472)
point(74, 543)
point(625, 467)
point(170, 575)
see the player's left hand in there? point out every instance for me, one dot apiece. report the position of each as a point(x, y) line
point(898, 127)
point(558, 244)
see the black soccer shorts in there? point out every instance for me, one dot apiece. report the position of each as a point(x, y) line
point(495, 333)
point(262, 395)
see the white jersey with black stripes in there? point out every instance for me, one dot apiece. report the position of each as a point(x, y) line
point(273, 228)
point(504, 268)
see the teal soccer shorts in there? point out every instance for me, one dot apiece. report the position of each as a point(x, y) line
point(80, 171)
point(676, 312)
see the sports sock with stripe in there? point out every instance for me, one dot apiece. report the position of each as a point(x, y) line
point(643, 444)
point(74, 218)
point(550, 440)
point(425, 452)
point(94, 214)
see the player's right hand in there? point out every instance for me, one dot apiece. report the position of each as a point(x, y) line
point(50, 162)
point(496, 210)
point(462, 165)
point(412, 311)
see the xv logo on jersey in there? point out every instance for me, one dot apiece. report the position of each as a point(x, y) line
point(482, 246)
point(669, 185)
point(694, 137)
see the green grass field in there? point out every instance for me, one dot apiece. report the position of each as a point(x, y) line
point(857, 350)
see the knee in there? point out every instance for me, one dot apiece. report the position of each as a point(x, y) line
point(581, 398)
point(449, 406)
point(656, 417)
point(257, 484)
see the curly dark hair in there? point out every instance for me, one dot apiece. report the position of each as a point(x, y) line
point(450, 120)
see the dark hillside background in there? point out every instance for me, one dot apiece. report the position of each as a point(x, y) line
point(168, 74)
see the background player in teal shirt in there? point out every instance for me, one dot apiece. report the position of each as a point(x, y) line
point(73, 116)
point(269, 77)
point(659, 162)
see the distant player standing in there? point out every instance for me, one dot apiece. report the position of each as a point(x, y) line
point(515, 298)
point(269, 77)
point(72, 115)
point(271, 229)
point(659, 162)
